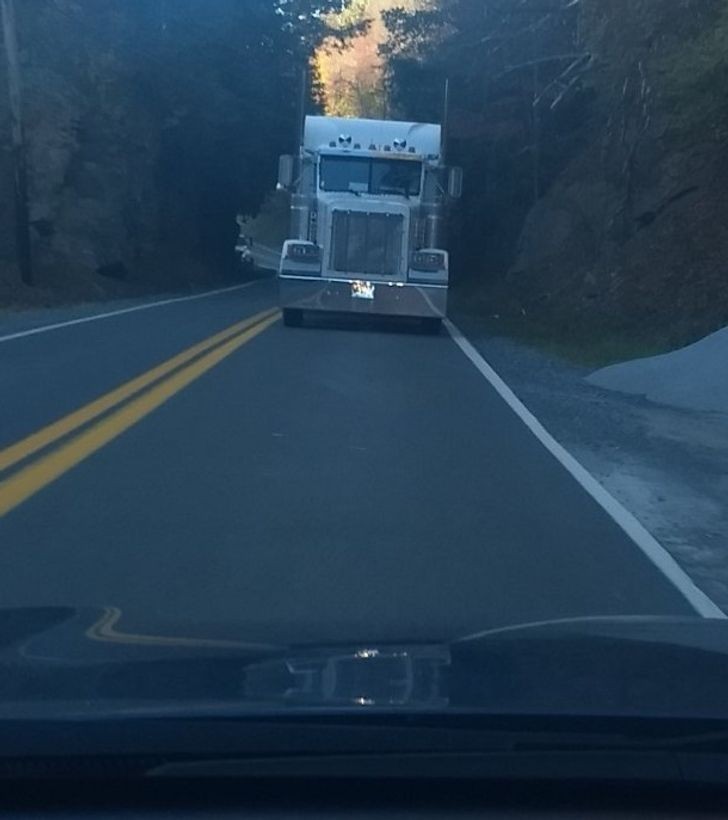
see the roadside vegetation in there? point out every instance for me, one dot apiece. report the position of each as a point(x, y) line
point(593, 135)
point(148, 126)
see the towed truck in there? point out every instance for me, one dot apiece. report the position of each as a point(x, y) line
point(368, 205)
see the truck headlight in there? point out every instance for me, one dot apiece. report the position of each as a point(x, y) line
point(427, 261)
point(306, 253)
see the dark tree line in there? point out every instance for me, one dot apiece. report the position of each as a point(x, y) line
point(170, 113)
point(519, 99)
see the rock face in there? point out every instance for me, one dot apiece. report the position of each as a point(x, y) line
point(635, 229)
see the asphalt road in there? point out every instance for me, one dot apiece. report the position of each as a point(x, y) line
point(330, 483)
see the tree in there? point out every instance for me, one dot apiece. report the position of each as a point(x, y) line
point(350, 64)
point(170, 114)
point(237, 107)
point(22, 217)
point(518, 94)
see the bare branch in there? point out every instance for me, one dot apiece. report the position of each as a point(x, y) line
point(584, 61)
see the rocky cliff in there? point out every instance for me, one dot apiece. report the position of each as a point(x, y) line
point(633, 234)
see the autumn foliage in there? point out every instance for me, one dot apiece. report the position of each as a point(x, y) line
point(351, 75)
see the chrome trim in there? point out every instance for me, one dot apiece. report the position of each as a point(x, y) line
point(358, 278)
point(390, 298)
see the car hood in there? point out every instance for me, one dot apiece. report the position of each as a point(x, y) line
point(79, 661)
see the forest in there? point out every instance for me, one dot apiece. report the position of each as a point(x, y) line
point(592, 134)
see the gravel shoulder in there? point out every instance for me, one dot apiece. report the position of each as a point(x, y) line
point(668, 466)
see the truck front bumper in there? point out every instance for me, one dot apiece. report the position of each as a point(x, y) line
point(383, 298)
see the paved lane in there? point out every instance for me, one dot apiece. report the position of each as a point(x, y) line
point(317, 484)
point(46, 376)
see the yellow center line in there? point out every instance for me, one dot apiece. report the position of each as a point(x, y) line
point(53, 432)
point(33, 478)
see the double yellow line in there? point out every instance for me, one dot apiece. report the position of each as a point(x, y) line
point(115, 412)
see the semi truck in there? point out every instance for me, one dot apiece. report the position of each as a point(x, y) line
point(368, 205)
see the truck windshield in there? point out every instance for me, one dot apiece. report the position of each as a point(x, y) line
point(371, 176)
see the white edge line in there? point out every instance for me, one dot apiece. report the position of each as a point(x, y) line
point(649, 545)
point(146, 306)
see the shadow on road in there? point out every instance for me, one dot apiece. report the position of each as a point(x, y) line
point(367, 324)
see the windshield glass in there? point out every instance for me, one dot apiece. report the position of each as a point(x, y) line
point(371, 176)
point(363, 355)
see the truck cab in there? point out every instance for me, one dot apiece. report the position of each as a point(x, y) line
point(368, 200)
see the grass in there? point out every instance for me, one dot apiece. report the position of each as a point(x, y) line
point(608, 347)
point(587, 347)
point(579, 339)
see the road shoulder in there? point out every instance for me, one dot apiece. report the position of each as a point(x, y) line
point(668, 467)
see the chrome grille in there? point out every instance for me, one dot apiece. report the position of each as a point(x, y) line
point(367, 243)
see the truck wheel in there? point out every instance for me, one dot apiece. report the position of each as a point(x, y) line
point(292, 317)
point(432, 327)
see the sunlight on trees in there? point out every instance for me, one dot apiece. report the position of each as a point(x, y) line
point(351, 77)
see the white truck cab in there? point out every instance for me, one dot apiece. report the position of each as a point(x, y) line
point(367, 216)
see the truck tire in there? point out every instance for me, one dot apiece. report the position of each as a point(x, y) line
point(432, 327)
point(292, 317)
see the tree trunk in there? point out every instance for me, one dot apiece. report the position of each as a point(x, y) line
point(536, 149)
point(22, 218)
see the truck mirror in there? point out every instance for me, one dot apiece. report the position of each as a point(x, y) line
point(285, 172)
point(455, 183)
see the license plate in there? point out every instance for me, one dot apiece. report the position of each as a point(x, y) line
point(362, 290)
